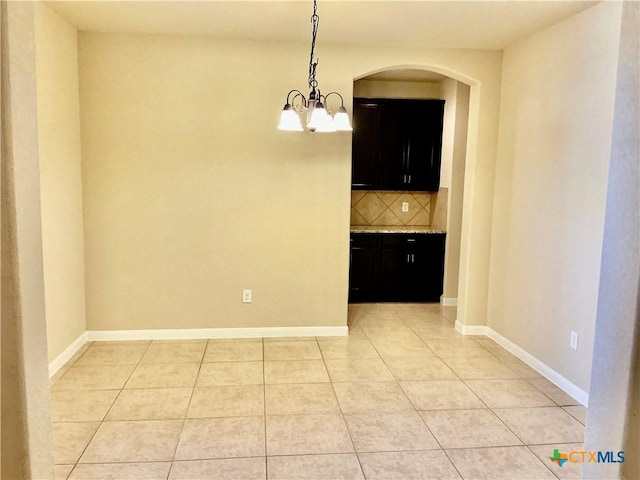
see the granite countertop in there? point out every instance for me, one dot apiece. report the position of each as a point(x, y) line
point(393, 229)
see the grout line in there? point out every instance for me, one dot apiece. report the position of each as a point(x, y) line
point(100, 423)
point(540, 460)
point(565, 409)
point(71, 471)
point(264, 406)
point(124, 384)
point(186, 412)
point(441, 447)
point(346, 426)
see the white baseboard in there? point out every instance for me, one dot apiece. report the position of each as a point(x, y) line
point(65, 356)
point(202, 333)
point(189, 334)
point(543, 369)
point(470, 329)
point(448, 302)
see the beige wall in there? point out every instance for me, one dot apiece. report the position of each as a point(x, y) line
point(631, 468)
point(191, 194)
point(558, 91)
point(26, 424)
point(395, 89)
point(448, 92)
point(613, 421)
point(456, 192)
point(60, 178)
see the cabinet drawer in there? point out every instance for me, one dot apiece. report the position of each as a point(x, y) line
point(363, 240)
point(403, 239)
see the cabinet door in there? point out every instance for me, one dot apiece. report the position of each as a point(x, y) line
point(423, 148)
point(364, 267)
point(392, 265)
point(364, 147)
point(412, 270)
point(392, 146)
point(412, 267)
point(427, 268)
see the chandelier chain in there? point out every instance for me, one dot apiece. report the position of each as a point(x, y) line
point(315, 20)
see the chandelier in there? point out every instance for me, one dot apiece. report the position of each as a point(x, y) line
point(318, 115)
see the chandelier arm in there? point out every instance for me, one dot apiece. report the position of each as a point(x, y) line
point(298, 93)
point(334, 93)
point(304, 103)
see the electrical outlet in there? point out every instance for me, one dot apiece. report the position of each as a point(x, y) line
point(246, 296)
point(573, 343)
point(405, 206)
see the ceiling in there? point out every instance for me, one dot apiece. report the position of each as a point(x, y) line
point(438, 24)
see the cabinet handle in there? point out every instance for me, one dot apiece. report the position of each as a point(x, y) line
point(404, 179)
point(413, 258)
point(408, 258)
point(409, 179)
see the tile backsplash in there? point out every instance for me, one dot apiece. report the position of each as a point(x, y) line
point(385, 208)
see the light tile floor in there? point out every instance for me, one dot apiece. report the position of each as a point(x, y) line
point(403, 397)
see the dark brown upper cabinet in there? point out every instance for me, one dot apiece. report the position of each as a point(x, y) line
point(397, 144)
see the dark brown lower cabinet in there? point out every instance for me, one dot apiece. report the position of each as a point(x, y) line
point(364, 268)
point(396, 267)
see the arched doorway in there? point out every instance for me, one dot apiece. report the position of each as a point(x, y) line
point(445, 209)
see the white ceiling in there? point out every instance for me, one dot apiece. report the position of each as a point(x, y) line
point(419, 23)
